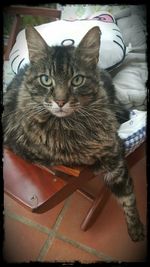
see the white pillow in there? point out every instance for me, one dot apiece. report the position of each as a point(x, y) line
point(63, 32)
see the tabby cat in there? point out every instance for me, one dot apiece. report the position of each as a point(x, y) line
point(62, 109)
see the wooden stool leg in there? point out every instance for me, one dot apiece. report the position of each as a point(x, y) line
point(73, 184)
point(97, 206)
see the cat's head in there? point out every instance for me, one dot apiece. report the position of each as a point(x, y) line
point(63, 78)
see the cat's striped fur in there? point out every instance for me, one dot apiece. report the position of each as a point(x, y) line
point(62, 109)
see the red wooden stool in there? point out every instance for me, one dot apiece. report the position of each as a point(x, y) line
point(40, 188)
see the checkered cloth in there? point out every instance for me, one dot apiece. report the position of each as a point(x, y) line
point(133, 132)
point(133, 141)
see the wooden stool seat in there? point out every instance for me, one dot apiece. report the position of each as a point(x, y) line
point(30, 185)
point(40, 188)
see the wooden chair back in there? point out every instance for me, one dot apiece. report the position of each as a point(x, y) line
point(18, 12)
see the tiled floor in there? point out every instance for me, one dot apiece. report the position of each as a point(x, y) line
point(56, 234)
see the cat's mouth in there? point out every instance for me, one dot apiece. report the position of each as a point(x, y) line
point(64, 111)
point(61, 112)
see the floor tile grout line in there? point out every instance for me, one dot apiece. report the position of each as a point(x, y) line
point(36, 225)
point(86, 248)
point(52, 233)
point(73, 242)
point(48, 243)
point(28, 222)
point(61, 214)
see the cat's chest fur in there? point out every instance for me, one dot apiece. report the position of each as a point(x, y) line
point(64, 142)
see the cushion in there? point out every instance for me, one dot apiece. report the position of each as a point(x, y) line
point(131, 76)
point(64, 32)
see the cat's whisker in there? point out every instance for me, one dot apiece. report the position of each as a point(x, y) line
point(107, 112)
point(90, 120)
point(86, 113)
point(93, 118)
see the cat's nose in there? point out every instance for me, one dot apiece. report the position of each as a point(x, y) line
point(60, 103)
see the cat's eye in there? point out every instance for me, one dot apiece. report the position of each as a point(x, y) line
point(46, 80)
point(78, 80)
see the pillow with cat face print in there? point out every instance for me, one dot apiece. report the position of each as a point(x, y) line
point(64, 32)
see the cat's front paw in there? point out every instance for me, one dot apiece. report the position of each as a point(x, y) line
point(137, 232)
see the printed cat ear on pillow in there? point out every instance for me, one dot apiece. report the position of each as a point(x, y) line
point(112, 49)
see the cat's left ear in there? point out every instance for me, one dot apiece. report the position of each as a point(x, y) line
point(88, 48)
point(36, 45)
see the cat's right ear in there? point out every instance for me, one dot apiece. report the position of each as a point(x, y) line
point(37, 47)
point(88, 48)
